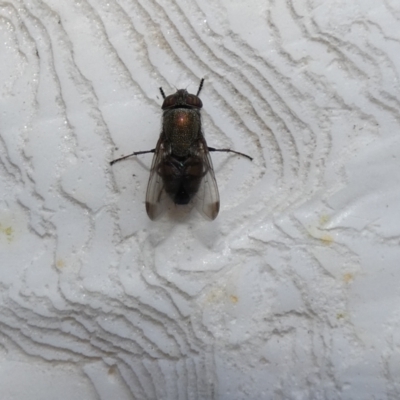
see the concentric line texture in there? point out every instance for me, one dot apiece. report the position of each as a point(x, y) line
point(292, 293)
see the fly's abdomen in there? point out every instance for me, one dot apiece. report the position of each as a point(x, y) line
point(191, 179)
point(181, 178)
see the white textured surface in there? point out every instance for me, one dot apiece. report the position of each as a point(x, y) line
point(292, 293)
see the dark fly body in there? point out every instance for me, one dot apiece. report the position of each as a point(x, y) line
point(182, 169)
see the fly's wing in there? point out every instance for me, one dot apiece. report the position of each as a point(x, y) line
point(207, 198)
point(156, 197)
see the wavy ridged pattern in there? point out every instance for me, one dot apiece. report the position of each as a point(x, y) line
point(292, 293)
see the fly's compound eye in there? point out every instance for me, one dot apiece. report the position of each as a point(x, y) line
point(170, 101)
point(194, 101)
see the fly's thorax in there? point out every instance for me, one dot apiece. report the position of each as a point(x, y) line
point(182, 127)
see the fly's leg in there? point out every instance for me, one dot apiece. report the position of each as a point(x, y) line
point(230, 151)
point(133, 154)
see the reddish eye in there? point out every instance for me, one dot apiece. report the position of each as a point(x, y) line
point(194, 101)
point(170, 101)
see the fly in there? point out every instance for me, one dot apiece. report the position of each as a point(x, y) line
point(182, 168)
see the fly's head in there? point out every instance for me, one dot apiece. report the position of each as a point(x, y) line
point(182, 99)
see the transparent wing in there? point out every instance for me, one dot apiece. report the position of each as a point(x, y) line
point(207, 198)
point(156, 197)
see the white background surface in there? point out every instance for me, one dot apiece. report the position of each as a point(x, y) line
point(292, 293)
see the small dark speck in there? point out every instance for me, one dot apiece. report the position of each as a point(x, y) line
point(112, 370)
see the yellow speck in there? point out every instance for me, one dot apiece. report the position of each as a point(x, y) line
point(234, 299)
point(211, 297)
point(60, 264)
point(320, 234)
point(340, 315)
point(7, 231)
point(323, 219)
point(348, 277)
point(327, 239)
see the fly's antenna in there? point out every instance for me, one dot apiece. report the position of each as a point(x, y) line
point(162, 93)
point(200, 87)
